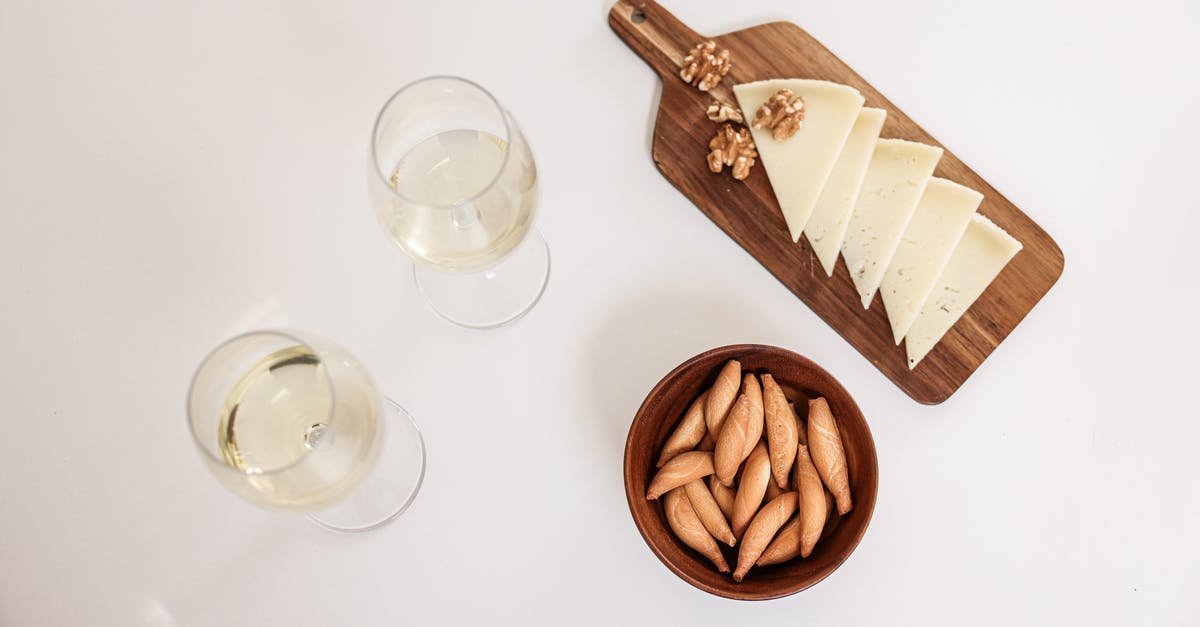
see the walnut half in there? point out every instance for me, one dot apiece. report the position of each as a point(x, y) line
point(705, 66)
point(732, 148)
point(721, 112)
point(781, 114)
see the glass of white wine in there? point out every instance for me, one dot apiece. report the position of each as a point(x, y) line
point(293, 422)
point(454, 184)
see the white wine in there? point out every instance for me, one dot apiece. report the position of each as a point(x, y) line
point(299, 442)
point(276, 412)
point(467, 199)
point(291, 421)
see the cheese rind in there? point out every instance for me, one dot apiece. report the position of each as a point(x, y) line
point(826, 227)
point(798, 166)
point(981, 254)
point(936, 227)
point(895, 181)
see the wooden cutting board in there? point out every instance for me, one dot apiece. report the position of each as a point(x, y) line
point(749, 214)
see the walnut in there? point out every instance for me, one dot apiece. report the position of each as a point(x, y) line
point(704, 66)
point(721, 112)
point(782, 114)
point(732, 148)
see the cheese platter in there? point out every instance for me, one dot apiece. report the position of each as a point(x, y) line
point(878, 205)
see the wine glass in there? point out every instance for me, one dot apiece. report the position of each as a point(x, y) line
point(291, 421)
point(454, 183)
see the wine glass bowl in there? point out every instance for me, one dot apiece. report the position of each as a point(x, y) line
point(291, 421)
point(454, 184)
point(285, 422)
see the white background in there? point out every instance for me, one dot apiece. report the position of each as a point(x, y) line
point(172, 173)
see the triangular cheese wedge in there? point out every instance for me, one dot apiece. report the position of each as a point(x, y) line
point(895, 180)
point(798, 166)
point(981, 254)
point(826, 227)
point(935, 229)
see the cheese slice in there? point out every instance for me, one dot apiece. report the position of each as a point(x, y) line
point(895, 180)
point(798, 166)
point(935, 229)
point(981, 254)
point(826, 227)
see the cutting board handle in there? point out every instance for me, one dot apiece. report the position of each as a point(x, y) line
point(658, 37)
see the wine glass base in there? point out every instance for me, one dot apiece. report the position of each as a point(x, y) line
point(494, 297)
point(392, 484)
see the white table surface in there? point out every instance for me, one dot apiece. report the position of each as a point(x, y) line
point(171, 174)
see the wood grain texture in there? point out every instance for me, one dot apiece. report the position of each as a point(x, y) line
point(750, 215)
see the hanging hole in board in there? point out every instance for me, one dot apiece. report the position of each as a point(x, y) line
point(637, 17)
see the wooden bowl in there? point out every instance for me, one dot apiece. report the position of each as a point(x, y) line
point(800, 379)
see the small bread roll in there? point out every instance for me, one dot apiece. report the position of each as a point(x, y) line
point(813, 506)
point(783, 432)
point(825, 446)
point(680, 470)
point(688, 434)
point(754, 422)
point(721, 395)
point(709, 512)
point(682, 519)
point(764, 526)
point(731, 443)
point(751, 489)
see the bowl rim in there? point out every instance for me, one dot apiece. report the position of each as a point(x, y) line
point(633, 492)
